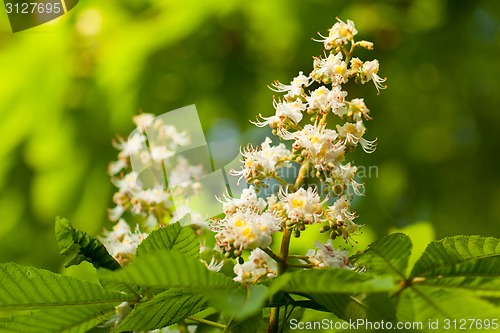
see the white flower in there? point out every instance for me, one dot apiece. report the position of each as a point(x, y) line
point(339, 213)
point(345, 174)
point(284, 110)
point(332, 70)
point(134, 144)
point(295, 88)
point(369, 72)
point(319, 145)
point(214, 265)
point(183, 172)
point(143, 120)
point(358, 109)
point(323, 99)
point(167, 135)
point(264, 160)
point(353, 134)
point(115, 213)
point(121, 311)
point(129, 183)
point(259, 266)
point(340, 210)
point(153, 196)
point(116, 166)
point(292, 110)
point(302, 205)
point(246, 229)
point(273, 121)
point(159, 153)
point(326, 256)
point(339, 34)
point(247, 200)
point(122, 243)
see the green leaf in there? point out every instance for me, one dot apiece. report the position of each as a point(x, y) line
point(240, 302)
point(463, 262)
point(250, 325)
point(24, 288)
point(163, 310)
point(172, 237)
point(332, 289)
point(78, 246)
point(387, 255)
point(76, 319)
point(168, 269)
point(423, 304)
point(448, 278)
point(334, 281)
point(373, 307)
point(421, 233)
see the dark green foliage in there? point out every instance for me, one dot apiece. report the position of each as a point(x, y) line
point(78, 246)
point(172, 237)
point(455, 278)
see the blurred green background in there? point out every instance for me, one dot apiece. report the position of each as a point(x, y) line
point(69, 86)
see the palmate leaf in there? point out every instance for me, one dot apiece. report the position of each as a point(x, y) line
point(75, 319)
point(330, 281)
point(166, 308)
point(172, 237)
point(25, 288)
point(387, 255)
point(373, 307)
point(168, 269)
point(335, 290)
point(252, 324)
point(426, 303)
point(462, 262)
point(448, 278)
point(241, 302)
point(78, 246)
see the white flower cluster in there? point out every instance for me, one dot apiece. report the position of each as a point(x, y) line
point(151, 204)
point(306, 106)
point(326, 256)
point(302, 205)
point(262, 162)
point(258, 267)
point(324, 147)
point(122, 242)
point(246, 226)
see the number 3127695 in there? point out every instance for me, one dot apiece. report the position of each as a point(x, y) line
point(33, 8)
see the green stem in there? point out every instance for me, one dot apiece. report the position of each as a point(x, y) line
point(285, 245)
point(297, 257)
point(300, 265)
point(281, 181)
point(274, 316)
point(183, 328)
point(207, 322)
point(273, 255)
point(302, 172)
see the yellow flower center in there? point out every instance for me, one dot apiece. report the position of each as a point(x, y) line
point(297, 203)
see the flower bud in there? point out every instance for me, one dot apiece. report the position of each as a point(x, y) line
point(366, 44)
point(324, 228)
